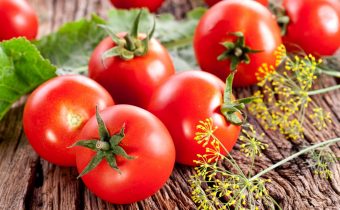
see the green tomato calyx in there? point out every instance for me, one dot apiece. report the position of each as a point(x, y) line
point(236, 51)
point(105, 147)
point(130, 45)
point(230, 107)
point(282, 18)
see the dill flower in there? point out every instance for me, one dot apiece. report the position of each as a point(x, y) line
point(252, 145)
point(286, 94)
point(321, 161)
point(214, 187)
point(320, 118)
point(227, 189)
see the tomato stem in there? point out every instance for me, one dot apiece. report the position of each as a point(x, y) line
point(129, 46)
point(230, 107)
point(282, 18)
point(236, 51)
point(102, 145)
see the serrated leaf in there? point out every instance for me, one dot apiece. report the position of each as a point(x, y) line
point(121, 20)
point(22, 69)
point(72, 45)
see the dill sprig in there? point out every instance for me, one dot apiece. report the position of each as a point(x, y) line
point(286, 91)
point(214, 187)
point(227, 189)
point(321, 161)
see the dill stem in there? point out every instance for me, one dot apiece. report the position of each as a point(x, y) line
point(331, 73)
point(324, 90)
point(308, 149)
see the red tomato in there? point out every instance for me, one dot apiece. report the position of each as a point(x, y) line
point(314, 25)
point(213, 2)
point(183, 101)
point(17, 19)
point(260, 31)
point(133, 81)
point(56, 112)
point(149, 143)
point(152, 5)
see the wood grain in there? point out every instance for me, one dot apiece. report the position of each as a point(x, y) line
point(28, 182)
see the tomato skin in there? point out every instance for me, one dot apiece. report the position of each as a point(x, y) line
point(213, 2)
point(55, 113)
point(314, 25)
point(146, 139)
point(134, 81)
point(17, 18)
point(260, 30)
point(152, 5)
point(184, 100)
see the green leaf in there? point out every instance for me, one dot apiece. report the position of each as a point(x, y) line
point(72, 45)
point(91, 144)
point(22, 69)
point(120, 151)
point(246, 100)
point(117, 138)
point(228, 92)
point(102, 130)
point(121, 20)
point(233, 118)
point(177, 37)
point(93, 163)
point(111, 160)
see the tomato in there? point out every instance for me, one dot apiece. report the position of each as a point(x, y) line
point(184, 100)
point(213, 2)
point(131, 81)
point(56, 112)
point(226, 25)
point(17, 19)
point(314, 25)
point(152, 5)
point(148, 144)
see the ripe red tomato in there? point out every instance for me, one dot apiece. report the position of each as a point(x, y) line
point(149, 143)
point(213, 2)
point(314, 25)
point(56, 112)
point(219, 25)
point(17, 19)
point(131, 81)
point(184, 100)
point(152, 5)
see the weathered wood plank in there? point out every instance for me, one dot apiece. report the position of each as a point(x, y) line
point(17, 162)
point(27, 182)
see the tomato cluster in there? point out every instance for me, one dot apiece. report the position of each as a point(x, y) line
point(126, 152)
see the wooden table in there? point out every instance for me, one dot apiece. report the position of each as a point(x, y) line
point(28, 182)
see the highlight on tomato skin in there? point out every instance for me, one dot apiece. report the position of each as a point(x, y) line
point(146, 140)
point(17, 19)
point(213, 2)
point(152, 5)
point(314, 26)
point(182, 102)
point(55, 113)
